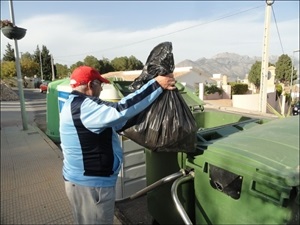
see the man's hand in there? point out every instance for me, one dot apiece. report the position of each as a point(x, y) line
point(167, 81)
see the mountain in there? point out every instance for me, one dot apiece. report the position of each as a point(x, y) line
point(230, 64)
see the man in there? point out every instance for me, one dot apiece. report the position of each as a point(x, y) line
point(90, 143)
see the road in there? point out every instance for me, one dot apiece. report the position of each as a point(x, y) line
point(35, 109)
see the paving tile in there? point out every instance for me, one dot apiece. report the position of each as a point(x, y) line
point(32, 187)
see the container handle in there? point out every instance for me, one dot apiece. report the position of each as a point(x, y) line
point(176, 200)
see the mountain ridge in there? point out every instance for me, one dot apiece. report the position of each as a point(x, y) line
point(233, 65)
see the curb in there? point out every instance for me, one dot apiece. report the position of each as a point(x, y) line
point(49, 141)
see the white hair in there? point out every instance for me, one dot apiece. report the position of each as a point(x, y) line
point(81, 88)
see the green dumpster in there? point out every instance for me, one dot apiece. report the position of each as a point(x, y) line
point(162, 164)
point(249, 177)
point(52, 113)
point(159, 165)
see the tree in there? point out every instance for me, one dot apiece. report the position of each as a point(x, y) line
point(134, 63)
point(9, 53)
point(255, 73)
point(105, 66)
point(120, 63)
point(36, 55)
point(28, 56)
point(29, 68)
point(124, 63)
point(44, 57)
point(46, 63)
point(75, 65)
point(284, 69)
point(8, 69)
point(62, 71)
point(92, 62)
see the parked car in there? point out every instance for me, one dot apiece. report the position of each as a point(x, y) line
point(44, 86)
point(296, 109)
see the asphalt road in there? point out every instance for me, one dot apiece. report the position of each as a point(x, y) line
point(35, 109)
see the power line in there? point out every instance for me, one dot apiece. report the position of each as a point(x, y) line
point(277, 31)
point(163, 35)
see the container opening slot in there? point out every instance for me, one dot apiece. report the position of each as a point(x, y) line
point(225, 181)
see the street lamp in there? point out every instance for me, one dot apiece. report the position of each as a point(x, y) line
point(19, 75)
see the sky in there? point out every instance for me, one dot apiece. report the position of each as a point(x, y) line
point(72, 30)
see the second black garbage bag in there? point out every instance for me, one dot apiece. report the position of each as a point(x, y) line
point(167, 125)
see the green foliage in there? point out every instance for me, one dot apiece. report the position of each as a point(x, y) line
point(8, 69)
point(62, 71)
point(284, 69)
point(75, 65)
point(44, 57)
point(36, 55)
point(46, 62)
point(9, 54)
point(134, 63)
point(255, 73)
point(29, 68)
point(278, 88)
point(27, 56)
point(238, 88)
point(124, 63)
point(105, 66)
point(120, 63)
point(211, 89)
point(288, 98)
point(92, 61)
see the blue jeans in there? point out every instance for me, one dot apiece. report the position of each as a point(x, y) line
point(91, 205)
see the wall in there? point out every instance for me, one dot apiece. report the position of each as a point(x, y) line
point(251, 102)
point(213, 96)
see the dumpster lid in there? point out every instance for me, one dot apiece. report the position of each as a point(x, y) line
point(272, 148)
point(190, 99)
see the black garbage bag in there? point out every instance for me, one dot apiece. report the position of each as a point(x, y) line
point(159, 62)
point(167, 125)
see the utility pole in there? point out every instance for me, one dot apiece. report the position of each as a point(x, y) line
point(19, 75)
point(265, 60)
point(52, 66)
point(41, 64)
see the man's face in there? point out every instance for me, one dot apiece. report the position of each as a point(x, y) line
point(96, 88)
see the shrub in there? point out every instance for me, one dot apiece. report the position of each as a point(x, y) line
point(211, 89)
point(238, 88)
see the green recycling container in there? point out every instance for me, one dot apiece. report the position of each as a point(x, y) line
point(161, 164)
point(166, 162)
point(249, 177)
point(52, 112)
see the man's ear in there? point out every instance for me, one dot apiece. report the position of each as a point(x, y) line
point(90, 85)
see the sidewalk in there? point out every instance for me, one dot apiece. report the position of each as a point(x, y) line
point(32, 188)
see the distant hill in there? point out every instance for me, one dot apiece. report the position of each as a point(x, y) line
point(230, 64)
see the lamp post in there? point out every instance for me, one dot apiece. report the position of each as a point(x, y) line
point(292, 73)
point(19, 75)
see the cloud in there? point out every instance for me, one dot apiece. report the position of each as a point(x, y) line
point(70, 38)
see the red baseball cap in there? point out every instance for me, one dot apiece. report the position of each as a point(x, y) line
point(84, 74)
